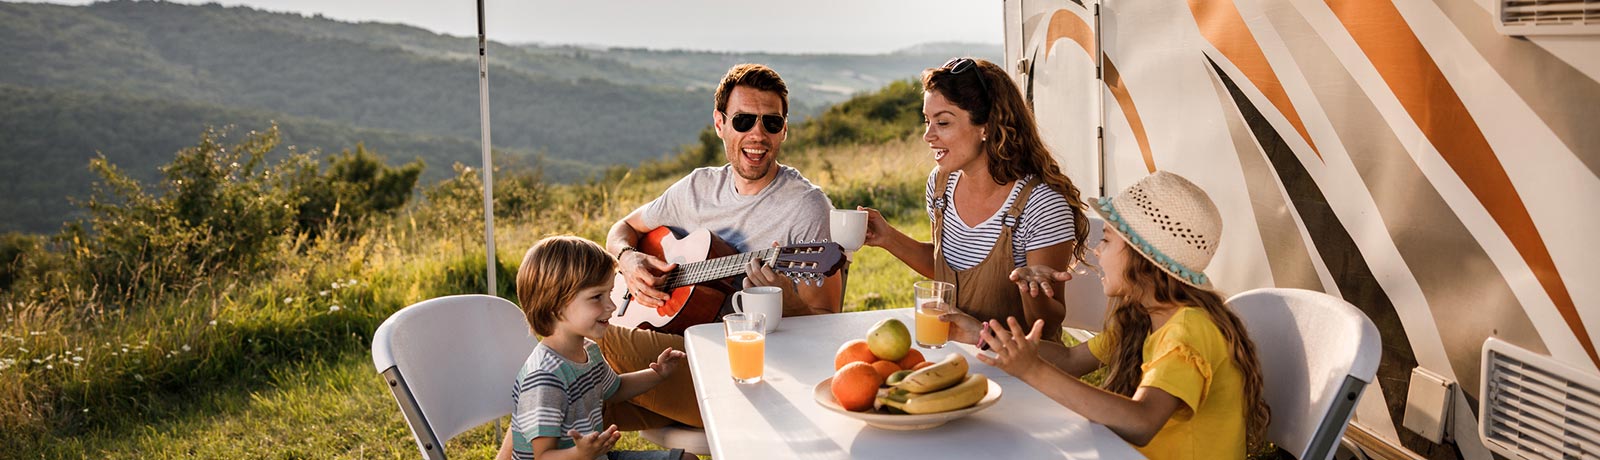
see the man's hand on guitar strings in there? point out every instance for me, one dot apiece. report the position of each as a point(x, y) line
point(644, 272)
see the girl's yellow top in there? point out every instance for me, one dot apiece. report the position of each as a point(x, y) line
point(1188, 358)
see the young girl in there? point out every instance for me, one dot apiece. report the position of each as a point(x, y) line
point(1184, 381)
point(564, 287)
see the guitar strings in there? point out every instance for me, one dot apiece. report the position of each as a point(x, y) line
point(722, 267)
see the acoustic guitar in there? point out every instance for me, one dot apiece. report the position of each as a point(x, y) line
point(699, 284)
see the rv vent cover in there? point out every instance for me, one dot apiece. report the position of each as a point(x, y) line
point(1536, 408)
point(1549, 17)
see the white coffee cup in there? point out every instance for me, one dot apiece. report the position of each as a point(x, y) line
point(848, 227)
point(766, 300)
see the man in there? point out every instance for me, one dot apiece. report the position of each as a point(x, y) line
point(752, 203)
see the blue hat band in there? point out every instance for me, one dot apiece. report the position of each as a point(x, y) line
point(1172, 266)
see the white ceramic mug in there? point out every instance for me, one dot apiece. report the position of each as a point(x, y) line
point(848, 227)
point(766, 300)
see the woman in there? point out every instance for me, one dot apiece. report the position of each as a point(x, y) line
point(997, 200)
point(1184, 381)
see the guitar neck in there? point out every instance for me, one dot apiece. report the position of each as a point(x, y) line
point(715, 269)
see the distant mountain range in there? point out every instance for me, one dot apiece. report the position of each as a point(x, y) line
point(136, 81)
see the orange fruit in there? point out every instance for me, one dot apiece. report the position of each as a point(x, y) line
point(885, 368)
point(853, 351)
point(911, 360)
point(922, 365)
point(855, 385)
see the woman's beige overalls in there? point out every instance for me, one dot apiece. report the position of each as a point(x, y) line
point(985, 291)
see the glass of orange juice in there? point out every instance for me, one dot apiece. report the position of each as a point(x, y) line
point(747, 345)
point(933, 298)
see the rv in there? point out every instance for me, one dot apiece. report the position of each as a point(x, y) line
point(1435, 163)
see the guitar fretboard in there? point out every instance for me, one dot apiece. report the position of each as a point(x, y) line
point(715, 269)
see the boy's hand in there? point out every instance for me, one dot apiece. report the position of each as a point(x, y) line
point(596, 444)
point(668, 363)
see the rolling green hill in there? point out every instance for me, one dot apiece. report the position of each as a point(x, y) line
point(136, 80)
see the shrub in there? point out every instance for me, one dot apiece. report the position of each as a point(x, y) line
point(357, 186)
point(218, 208)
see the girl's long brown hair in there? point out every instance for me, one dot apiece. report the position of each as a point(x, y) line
point(1014, 148)
point(1129, 325)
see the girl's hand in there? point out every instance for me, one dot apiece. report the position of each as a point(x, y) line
point(1014, 352)
point(668, 363)
point(877, 228)
point(596, 444)
point(963, 327)
point(1033, 279)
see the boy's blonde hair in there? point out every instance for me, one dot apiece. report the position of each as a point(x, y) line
point(552, 273)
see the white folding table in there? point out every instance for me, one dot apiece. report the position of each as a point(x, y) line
point(777, 418)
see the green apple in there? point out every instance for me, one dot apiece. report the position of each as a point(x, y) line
point(889, 340)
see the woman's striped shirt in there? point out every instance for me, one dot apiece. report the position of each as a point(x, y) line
point(1046, 221)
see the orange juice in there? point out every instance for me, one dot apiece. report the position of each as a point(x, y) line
point(931, 333)
point(746, 355)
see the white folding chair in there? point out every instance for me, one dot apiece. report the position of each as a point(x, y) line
point(451, 363)
point(690, 439)
point(1317, 353)
point(1084, 299)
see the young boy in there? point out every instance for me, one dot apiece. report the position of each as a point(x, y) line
point(564, 287)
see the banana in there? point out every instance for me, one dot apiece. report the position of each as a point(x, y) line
point(892, 400)
point(964, 394)
point(896, 377)
point(946, 373)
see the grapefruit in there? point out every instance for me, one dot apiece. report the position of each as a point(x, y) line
point(913, 357)
point(885, 368)
point(851, 352)
point(855, 385)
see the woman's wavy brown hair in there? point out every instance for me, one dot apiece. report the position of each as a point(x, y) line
point(1014, 148)
point(1128, 324)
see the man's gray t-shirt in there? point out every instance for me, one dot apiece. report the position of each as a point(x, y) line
point(788, 210)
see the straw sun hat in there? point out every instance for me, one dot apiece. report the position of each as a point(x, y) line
point(1168, 220)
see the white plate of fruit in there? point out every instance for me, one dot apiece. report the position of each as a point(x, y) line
point(913, 395)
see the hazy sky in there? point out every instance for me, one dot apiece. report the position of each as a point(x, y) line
point(791, 26)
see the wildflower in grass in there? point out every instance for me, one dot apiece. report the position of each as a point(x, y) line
point(333, 308)
point(24, 350)
point(139, 377)
point(186, 348)
point(213, 322)
point(77, 359)
point(322, 293)
point(288, 300)
point(49, 366)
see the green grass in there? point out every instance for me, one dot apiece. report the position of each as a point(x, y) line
point(276, 364)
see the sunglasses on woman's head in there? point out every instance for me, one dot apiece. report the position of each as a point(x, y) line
point(744, 121)
point(959, 66)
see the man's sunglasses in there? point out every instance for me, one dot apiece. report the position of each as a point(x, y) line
point(744, 121)
point(959, 66)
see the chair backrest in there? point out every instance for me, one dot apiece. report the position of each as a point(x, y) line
point(1317, 354)
point(450, 363)
point(1083, 296)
